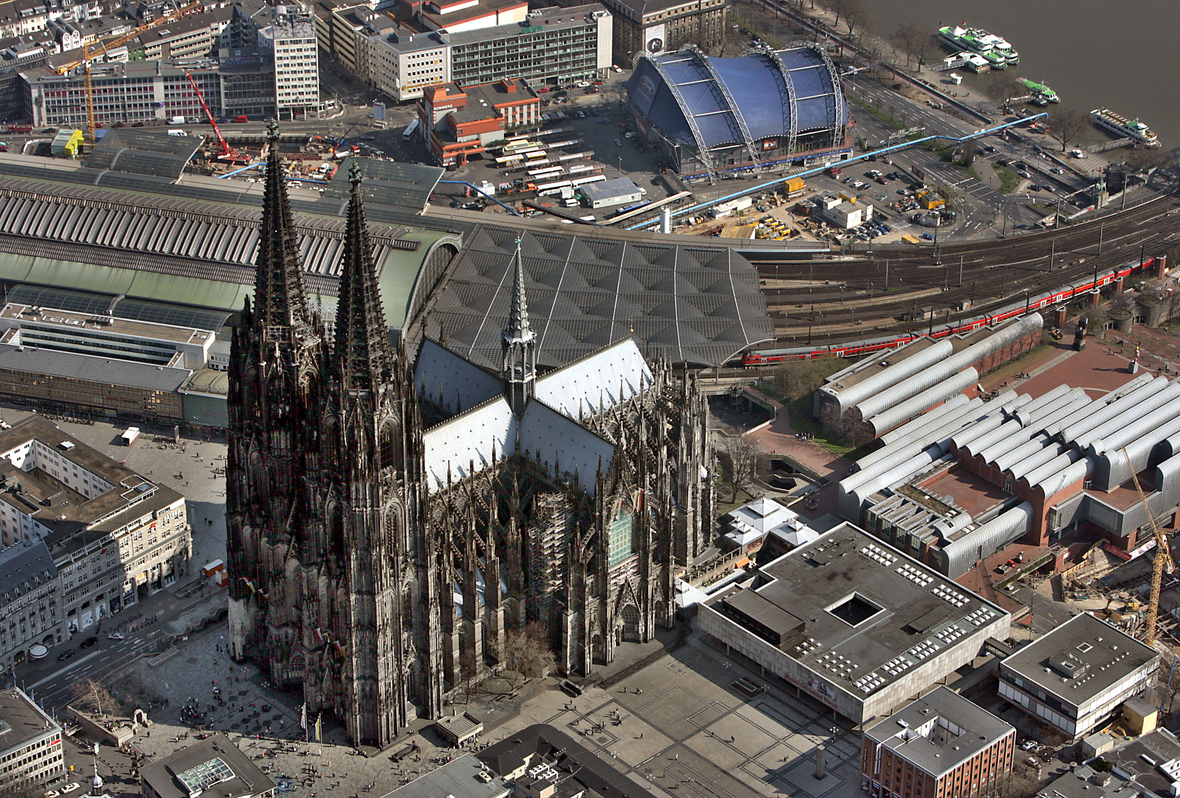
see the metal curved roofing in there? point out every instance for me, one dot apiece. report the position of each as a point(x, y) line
point(588, 291)
point(770, 94)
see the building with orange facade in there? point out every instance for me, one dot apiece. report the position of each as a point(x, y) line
point(940, 746)
point(460, 122)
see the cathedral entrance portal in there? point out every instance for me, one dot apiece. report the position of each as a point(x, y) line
point(631, 624)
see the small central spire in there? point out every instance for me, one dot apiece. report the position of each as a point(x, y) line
point(519, 367)
point(518, 323)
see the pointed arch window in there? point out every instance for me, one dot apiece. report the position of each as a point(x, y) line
point(390, 444)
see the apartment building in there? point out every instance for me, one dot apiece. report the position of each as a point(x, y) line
point(30, 601)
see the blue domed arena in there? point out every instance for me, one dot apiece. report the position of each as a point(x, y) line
point(722, 117)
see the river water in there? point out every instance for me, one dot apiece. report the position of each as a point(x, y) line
point(1093, 53)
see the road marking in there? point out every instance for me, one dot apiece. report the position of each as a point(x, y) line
point(67, 669)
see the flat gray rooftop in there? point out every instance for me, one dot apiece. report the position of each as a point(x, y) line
point(869, 613)
point(24, 720)
point(1079, 659)
point(246, 779)
point(921, 733)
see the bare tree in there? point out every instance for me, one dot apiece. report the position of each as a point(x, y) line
point(925, 51)
point(527, 652)
point(839, 8)
point(1066, 124)
point(858, 17)
point(906, 39)
point(1004, 86)
point(968, 152)
point(743, 463)
point(92, 696)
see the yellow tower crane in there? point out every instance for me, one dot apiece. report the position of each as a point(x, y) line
point(1163, 559)
point(104, 45)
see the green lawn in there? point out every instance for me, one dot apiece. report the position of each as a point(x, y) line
point(1008, 179)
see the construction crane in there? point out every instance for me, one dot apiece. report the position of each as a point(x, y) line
point(1163, 558)
point(109, 44)
point(226, 153)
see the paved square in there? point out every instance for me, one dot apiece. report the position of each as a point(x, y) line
point(717, 750)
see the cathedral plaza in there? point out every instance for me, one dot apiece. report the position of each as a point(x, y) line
point(682, 717)
point(687, 726)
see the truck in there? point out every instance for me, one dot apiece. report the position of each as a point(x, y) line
point(129, 435)
point(175, 131)
point(176, 120)
point(794, 187)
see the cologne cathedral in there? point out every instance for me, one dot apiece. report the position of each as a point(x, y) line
point(396, 519)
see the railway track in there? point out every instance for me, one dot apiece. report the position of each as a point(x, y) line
point(907, 290)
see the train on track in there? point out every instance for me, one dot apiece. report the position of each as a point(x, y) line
point(763, 357)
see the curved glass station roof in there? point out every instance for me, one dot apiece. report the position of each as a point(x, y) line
point(773, 93)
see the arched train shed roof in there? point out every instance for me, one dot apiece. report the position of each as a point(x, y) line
point(769, 93)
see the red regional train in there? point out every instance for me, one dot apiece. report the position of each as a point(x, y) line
point(764, 357)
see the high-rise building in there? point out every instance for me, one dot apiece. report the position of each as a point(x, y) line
point(397, 526)
point(291, 35)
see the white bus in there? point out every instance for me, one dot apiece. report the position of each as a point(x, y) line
point(410, 130)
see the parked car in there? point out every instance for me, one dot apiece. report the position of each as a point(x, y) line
point(89, 642)
point(63, 656)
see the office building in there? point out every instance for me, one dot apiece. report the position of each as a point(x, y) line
point(656, 26)
point(552, 46)
point(462, 122)
point(153, 91)
point(114, 535)
point(291, 38)
point(193, 36)
point(30, 745)
point(939, 746)
point(853, 623)
point(1077, 677)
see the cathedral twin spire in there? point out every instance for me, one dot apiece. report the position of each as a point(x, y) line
point(279, 299)
point(363, 355)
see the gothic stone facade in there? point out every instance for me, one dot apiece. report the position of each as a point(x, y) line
point(379, 560)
